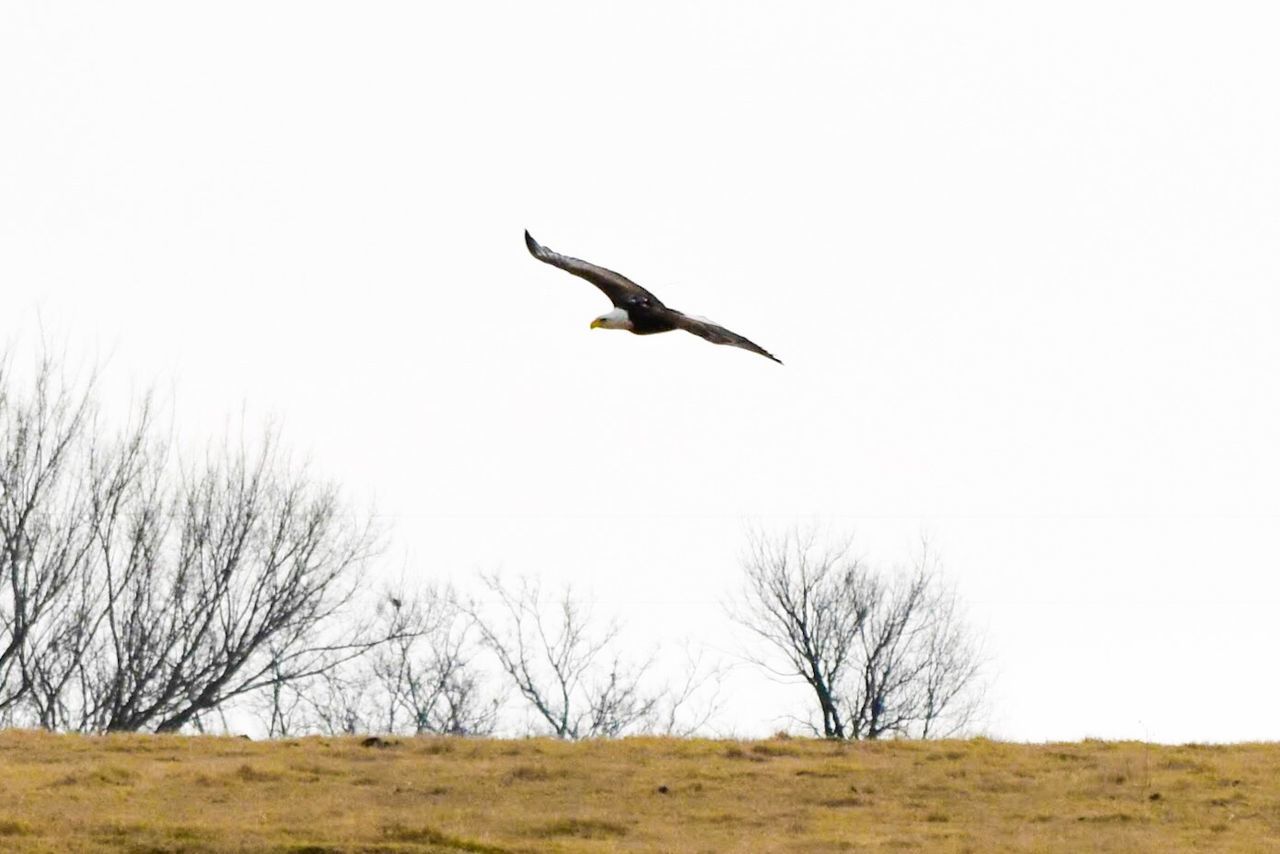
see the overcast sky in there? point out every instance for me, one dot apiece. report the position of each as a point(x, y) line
point(1021, 261)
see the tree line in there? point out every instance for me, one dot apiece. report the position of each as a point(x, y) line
point(143, 590)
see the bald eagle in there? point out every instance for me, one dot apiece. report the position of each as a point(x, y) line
point(635, 309)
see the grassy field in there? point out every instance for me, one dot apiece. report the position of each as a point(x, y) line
point(171, 793)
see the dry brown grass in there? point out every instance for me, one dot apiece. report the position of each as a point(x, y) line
point(171, 794)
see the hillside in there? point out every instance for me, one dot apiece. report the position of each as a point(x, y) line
point(170, 794)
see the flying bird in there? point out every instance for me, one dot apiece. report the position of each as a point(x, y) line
point(635, 309)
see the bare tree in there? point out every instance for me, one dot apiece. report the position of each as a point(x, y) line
point(951, 679)
point(337, 702)
point(421, 681)
point(691, 701)
point(233, 580)
point(809, 604)
point(56, 661)
point(140, 594)
point(881, 655)
point(567, 670)
point(286, 706)
point(45, 530)
point(427, 677)
point(917, 664)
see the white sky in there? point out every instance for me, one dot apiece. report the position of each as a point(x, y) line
point(1021, 260)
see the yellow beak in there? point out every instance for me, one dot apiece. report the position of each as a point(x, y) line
point(596, 323)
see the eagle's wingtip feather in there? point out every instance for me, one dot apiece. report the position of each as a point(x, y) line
point(531, 243)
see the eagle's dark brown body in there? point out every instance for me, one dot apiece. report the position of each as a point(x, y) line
point(650, 322)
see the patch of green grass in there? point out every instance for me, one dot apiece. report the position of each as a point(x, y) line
point(249, 774)
point(12, 827)
point(531, 774)
point(106, 775)
point(431, 836)
point(585, 828)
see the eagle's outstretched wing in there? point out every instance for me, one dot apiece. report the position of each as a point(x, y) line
point(620, 290)
point(717, 334)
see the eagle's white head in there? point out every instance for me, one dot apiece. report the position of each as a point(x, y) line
point(616, 319)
